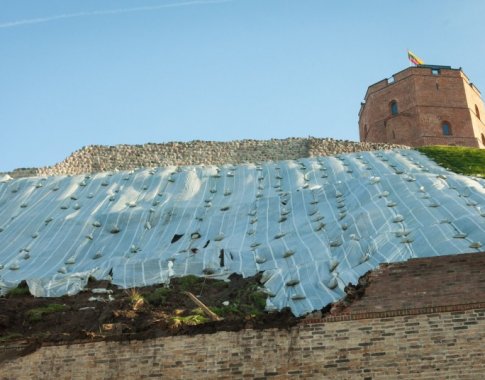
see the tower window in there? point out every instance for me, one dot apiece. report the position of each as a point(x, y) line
point(435, 71)
point(477, 112)
point(394, 109)
point(446, 128)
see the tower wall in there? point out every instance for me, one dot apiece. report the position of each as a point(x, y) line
point(426, 97)
point(477, 112)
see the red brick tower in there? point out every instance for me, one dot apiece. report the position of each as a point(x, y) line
point(424, 105)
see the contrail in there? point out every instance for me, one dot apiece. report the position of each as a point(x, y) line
point(40, 20)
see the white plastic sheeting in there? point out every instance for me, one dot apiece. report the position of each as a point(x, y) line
point(311, 225)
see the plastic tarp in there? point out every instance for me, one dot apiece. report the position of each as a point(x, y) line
point(311, 225)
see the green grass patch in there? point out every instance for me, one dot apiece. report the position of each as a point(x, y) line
point(158, 297)
point(461, 160)
point(18, 291)
point(258, 299)
point(249, 302)
point(190, 283)
point(35, 315)
point(222, 311)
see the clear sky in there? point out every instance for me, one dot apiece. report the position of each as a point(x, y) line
point(82, 72)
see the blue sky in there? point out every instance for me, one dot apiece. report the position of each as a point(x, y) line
point(76, 73)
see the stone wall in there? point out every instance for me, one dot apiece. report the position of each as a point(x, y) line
point(430, 345)
point(98, 158)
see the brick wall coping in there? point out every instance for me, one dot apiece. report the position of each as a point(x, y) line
point(396, 313)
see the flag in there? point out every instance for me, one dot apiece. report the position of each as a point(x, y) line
point(414, 58)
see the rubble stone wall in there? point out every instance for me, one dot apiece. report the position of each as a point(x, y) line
point(99, 158)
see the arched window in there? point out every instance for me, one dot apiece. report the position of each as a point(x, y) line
point(446, 128)
point(477, 112)
point(394, 109)
point(483, 139)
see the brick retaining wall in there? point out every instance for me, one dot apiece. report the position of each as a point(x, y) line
point(423, 346)
point(421, 319)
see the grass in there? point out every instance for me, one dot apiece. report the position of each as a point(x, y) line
point(231, 309)
point(35, 315)
point(254, 305)
point(158, 297)
point(196, 317)
point(190, 282)
point(136, 299)
point(258, 297)
point(19, 291)
point(461, 160)
point(190, 320)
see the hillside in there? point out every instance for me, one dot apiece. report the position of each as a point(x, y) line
point(462, 160)
point(311, 226)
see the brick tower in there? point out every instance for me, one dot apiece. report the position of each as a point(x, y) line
point(424, 105)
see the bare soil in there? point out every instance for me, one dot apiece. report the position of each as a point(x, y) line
point(149, 312)
point(140, 313)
